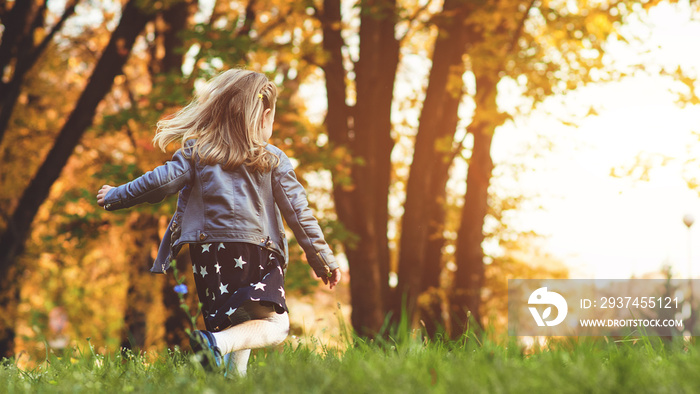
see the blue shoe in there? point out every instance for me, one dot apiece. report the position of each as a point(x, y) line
point(203, 343)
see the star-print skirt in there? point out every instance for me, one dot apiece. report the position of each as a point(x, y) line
point(229, 274)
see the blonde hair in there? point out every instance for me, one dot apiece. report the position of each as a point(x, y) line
point(225, 122)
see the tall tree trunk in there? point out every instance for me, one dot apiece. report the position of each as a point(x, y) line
point(469, 278)
point(376, 74)
point(465, 298)
point(17, 32)
point(18, 43)
point(434, 211)
point(425, 191)
point(176, 20)
point(17, 24)
point(110, 65)
point(363, 209)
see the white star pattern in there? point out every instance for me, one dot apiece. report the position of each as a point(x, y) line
point(240, 262)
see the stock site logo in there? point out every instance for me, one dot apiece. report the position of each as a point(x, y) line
point(543, 297)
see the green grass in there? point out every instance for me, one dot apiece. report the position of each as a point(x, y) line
point(401, 366)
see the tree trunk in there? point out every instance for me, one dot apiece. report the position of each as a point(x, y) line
point(17, 31)
point(376, 74)
point(110, 65)
point(337, 121)
point(17, 25)
point(425, 192)
point(18, 43)
point(363, 209)
point(469, 278)
point(175, 18)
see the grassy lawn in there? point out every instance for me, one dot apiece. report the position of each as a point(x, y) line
point(402, 366)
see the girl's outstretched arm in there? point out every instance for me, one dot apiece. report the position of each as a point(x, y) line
point(150, 187)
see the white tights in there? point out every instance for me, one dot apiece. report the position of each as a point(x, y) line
point(266, 328)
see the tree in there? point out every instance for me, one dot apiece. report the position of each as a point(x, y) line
point(18, 49)
point(110, 65)
point(364, 129)
point(548, 45)
point(113, 58)
point(422, 222)
point(556, 55)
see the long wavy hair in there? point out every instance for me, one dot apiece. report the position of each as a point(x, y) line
point(225, 122)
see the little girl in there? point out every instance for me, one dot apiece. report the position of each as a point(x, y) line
point(232, 187)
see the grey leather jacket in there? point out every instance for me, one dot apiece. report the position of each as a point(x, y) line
point(215, 205)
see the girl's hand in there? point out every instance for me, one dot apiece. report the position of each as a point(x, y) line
point(333, 279)
point(102, 193)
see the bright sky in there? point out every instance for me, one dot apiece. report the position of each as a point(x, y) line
point(606, 227)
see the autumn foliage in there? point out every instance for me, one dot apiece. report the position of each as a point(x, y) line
point(378, 101)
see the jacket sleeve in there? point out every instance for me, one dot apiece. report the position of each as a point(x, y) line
point(290, 197)
point(153, 186)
